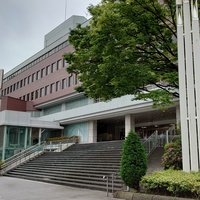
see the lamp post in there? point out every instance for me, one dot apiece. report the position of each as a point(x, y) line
point(189, 83)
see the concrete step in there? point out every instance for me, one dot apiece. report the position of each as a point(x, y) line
point(82, 166)
point(92, 168)
point(61, 173)
point(92, 172)
point(73, 184)
point(65, 177)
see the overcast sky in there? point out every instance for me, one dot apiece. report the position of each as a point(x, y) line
point(23, 24)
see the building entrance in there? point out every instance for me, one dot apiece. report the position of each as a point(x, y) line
point(111, 129)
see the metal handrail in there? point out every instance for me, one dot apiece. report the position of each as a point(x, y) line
point(156, 140)
point(73, 139)
point(151, 143)
point(30, 153)
point(60, 145)
point(21, 157)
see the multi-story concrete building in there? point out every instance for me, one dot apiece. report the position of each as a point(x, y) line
point(39, 101)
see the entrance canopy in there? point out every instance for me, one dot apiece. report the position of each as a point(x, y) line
point(16, 118)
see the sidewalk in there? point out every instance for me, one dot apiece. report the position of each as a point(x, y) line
point(19, 189)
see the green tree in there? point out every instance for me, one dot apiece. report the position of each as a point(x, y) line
point(134, 161)
point(128, 46)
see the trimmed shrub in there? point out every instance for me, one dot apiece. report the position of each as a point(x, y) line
point(134, 161)
point(172, 182)
point(172, 157)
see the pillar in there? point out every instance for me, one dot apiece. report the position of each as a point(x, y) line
point(4, 143)
point(92, 131)
point(129, 124)
point(63, 107)
point(40, 135)
point(189, 83)
point(30, 137)
point(25, 138)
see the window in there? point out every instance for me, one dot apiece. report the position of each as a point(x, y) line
point(25, 81)
point(52, 88)
point(32, 96)
point(64, 83)
point(36, 94)
point(53, 67)
point(41, 92)
point(7, 90)
point(42, 72)
point(17, 87)
point(13, 135)
point(57, 85)
point(29, 79)
point(21, 83)
point(33, 77)
point(48, 70)
point(76, 79)
point(47, 90)
point(71, 80)
point(28, 97)
point(14, 87)
point(65, 63)
point(59, 65)
point(37, 75)
point(11, 88)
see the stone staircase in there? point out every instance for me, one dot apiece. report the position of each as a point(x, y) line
point(81, 165)
point(155, 160)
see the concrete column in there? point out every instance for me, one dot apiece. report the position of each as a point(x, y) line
point(4, 143)
point(40, 134)
point(188, 40)
point(92, 132)
point(63, 107)
point(25, 138)
point(30, 137)
point(129, 124)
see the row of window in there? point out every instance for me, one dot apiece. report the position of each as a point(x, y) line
point(35, 76)
point(46, 55)
point(54, 87)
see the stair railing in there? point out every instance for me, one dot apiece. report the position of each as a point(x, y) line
point(21, 157)
point(151, 143)
point(172, 132)
point(60, 145)
point(159, 140)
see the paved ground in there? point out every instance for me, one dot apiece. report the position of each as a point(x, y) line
point(19, 189)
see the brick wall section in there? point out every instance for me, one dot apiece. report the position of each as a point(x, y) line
point(9, 103)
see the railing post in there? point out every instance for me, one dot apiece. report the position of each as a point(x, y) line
point(167, 136)
point(106, 178)
point(156, 138)
point(112, 183)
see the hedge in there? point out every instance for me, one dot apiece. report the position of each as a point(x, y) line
point(172, 182)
